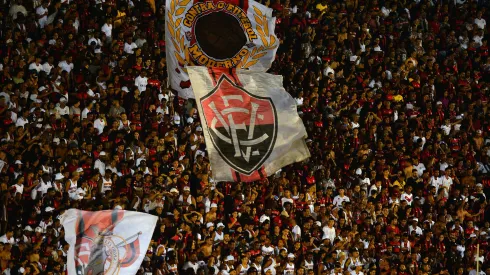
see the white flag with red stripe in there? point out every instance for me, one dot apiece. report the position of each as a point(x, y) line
point(106, 242)
point(250, 123)
point(217, 33)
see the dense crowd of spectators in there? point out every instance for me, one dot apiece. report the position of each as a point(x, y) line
point(394, 95)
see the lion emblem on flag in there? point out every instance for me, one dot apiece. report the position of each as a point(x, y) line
point(98, 249)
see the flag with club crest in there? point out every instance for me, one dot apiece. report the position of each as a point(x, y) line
point(226, 33)
point(106, 242)
point(250, 123)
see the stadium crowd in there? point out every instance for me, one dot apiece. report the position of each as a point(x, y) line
point(394, 95)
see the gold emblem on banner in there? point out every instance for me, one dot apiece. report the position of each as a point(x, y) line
point(243, 56)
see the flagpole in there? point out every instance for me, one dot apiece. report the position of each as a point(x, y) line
point(478, 259)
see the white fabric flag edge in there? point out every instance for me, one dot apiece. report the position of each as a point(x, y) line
point(69, 218)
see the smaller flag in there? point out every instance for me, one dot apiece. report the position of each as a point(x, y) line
point(106, 242)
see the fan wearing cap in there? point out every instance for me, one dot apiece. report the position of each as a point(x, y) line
point(289, 268)
point(176, 119)
point(27, 234)
point(229, 264)
point(479, 196)
point(414, 227)
point(353, 259)
point(186, 198)
point(197, 137)
point(211, 215)
point(219, 235)
point(57, 184)
point(100, 163)
point(62, 110)
point(358, 269)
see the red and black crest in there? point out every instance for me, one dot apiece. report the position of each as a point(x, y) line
point(97, 248)
point(242, 126)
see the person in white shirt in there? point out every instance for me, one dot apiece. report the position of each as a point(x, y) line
point(61, 108)
point(407, 195)
point(289, 268)
point(447, 182)
point(299, 100)
point(100, 123)
point(386, 11)
point(6, 96)
point(443, 165)
point(22, 120)
point(436, 180)
point(267, 249)
point(415, 227)
point(19, 186)
point(287, 198)
point(479, 21)
point(87, 110)
point(95, 40)
point(43, 187)
point(446, 128)
point(141, 81)
point(357, 270)
point(66, 64)
point(140, 41)
point(328, 70)
point(107, 30)
point(296, 231)
point(36, 65)
point(8, 237)
point(478, 38)
point(419, 166)
point(329, 231)
point(48, 65)
point(129, 46)
point(100, 163)
point(191, 264)
point(340, 198)
point(42, 14)
point(163, 108)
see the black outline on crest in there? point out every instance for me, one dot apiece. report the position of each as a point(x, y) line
point(274, 138)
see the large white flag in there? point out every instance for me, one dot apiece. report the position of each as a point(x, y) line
point(226, 33)
point(250, 123)
point(107, 242)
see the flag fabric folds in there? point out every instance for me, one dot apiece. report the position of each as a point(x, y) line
point(106, 242)
point(250, 123)
point(227, 33)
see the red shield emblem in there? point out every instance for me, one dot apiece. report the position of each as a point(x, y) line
point(242, 126)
